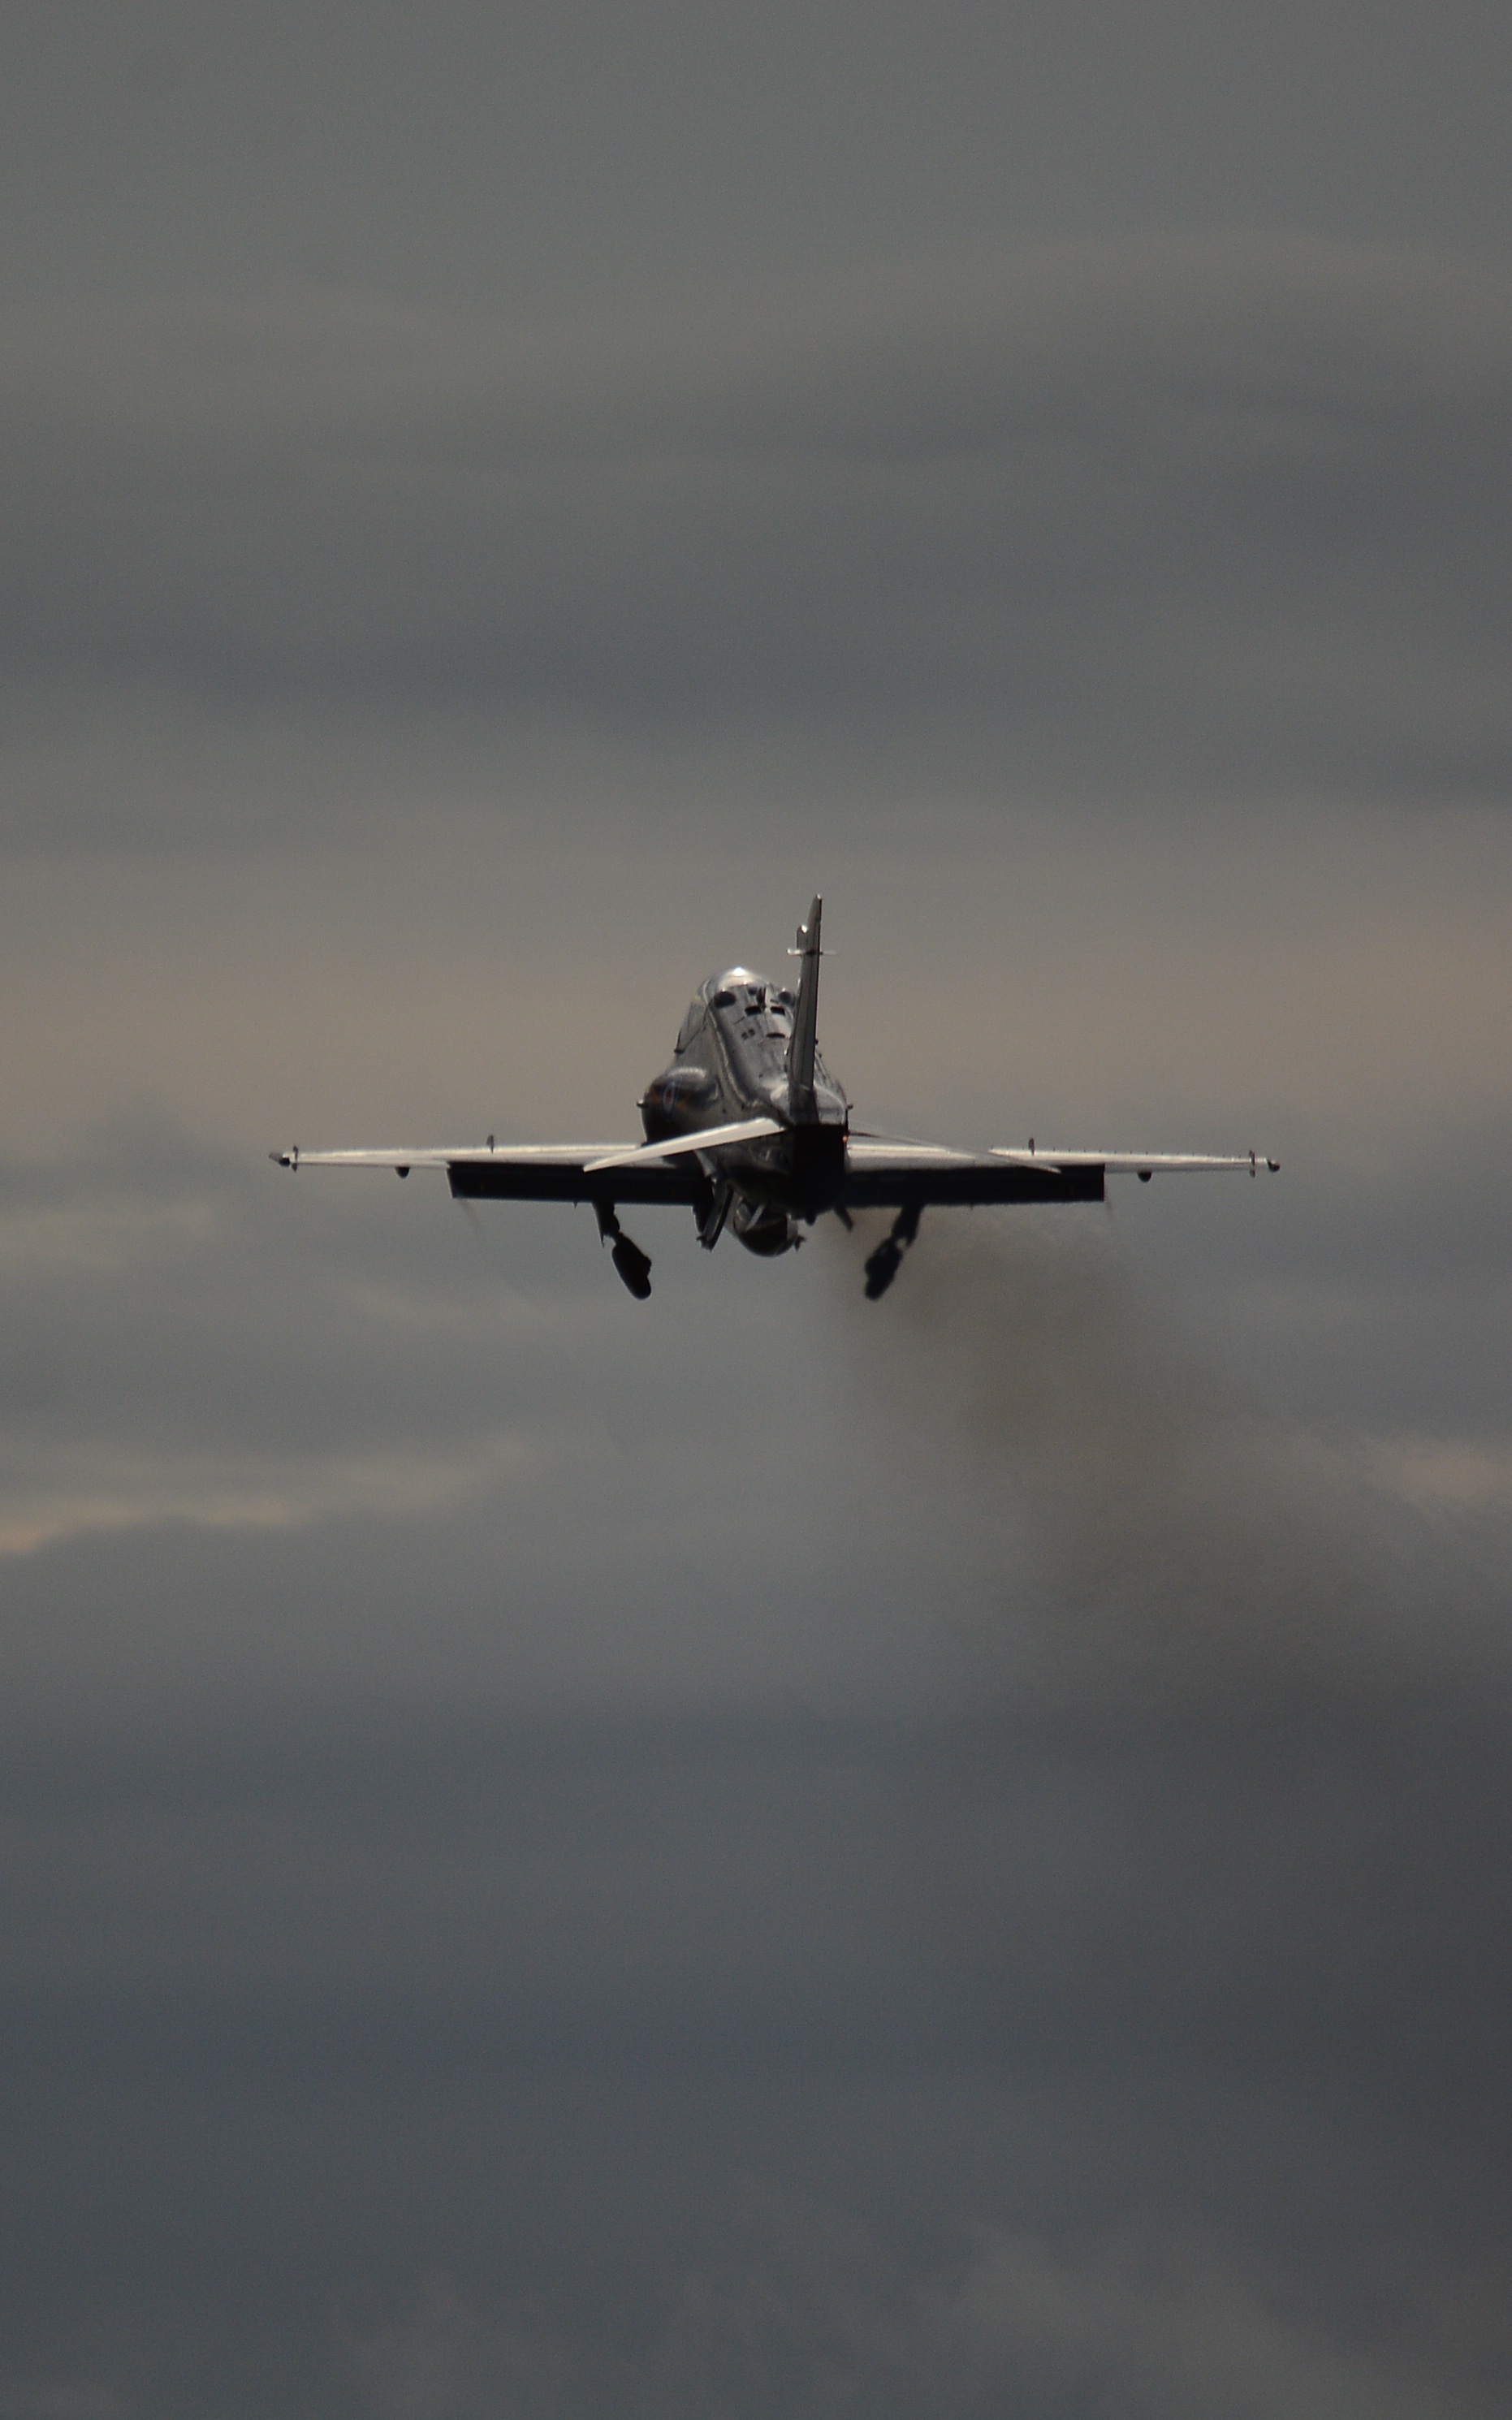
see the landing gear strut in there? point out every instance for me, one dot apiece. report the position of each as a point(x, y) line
point(712, 1210)
point(882, 1265)
point(632, 1264)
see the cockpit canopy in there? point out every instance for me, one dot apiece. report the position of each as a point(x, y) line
point(749, 1006)
point(740, 988)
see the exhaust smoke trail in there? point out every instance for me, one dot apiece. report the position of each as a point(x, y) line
point(1222, 1791)
point(1185, 1550)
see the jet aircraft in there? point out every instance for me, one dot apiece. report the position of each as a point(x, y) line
point(748, 1129)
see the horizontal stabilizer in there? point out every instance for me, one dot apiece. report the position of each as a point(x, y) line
point(710, 1139)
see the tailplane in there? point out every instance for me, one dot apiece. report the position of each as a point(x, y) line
point(801, 1049)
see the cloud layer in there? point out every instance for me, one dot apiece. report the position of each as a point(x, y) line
point(1027, 1923)
point(764, 1855)
point(1142, 513)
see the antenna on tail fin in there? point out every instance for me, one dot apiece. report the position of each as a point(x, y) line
point(801, 1105)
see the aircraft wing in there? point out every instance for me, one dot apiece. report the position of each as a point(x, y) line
point(532, 1172)
point(886, 1171)
point(1139, 1163)
point(882, 1171)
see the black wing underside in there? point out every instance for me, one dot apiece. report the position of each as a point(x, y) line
point(891, 1176)
point(673, 1182)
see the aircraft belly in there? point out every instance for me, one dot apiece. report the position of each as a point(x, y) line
point(802, 1172)
point(758, 1180)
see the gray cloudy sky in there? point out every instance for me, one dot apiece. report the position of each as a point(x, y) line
point(756, 1855)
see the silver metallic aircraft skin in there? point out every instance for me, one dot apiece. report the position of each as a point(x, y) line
point(747, 1127)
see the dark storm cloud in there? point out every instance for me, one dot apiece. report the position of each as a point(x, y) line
point(1126, 2024)
point(1234, 513)
point(368, 1439)
point(192, 1338)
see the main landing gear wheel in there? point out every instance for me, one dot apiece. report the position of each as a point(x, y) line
point(882, 1265)
point(632, 1264)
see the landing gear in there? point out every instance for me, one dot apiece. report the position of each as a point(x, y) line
point(713, 1209)
point(882, 1265)
point(632, 1264)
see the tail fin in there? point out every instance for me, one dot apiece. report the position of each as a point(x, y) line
point(805, 1023)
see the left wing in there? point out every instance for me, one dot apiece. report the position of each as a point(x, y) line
point(532, 1172)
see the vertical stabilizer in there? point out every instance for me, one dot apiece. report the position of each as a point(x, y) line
point(806, 1020)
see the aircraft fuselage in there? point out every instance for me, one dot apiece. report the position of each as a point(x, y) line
point(732, 1060)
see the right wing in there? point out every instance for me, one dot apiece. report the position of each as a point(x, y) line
point(532, 1172)
point(886, 1171)
point(1139, 1163)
